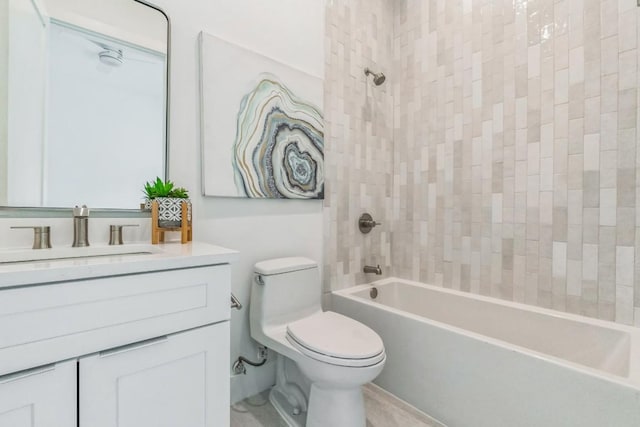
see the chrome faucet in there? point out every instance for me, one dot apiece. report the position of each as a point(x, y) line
point(80, 226)
point(370, 269)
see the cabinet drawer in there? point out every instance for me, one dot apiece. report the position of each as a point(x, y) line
point(90, 315)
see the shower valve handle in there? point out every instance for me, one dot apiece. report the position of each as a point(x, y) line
point(366, 223)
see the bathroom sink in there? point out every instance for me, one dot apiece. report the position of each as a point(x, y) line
point(29, 255)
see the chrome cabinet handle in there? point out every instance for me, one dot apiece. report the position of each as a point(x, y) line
point(134, 346)
point(27, 372)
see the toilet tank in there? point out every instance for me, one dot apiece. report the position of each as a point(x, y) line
point(284, 290)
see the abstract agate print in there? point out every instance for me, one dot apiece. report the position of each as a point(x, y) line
point(278, 151)
point(262, 129)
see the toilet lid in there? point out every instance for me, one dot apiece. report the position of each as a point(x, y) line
point(336, 336)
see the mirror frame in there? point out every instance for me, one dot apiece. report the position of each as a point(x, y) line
point(63, 212)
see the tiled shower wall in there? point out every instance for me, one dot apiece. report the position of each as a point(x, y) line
point(515, 160)
point(358, 139)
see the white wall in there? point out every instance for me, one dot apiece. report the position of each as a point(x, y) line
point(4, 80)
point(290, 31)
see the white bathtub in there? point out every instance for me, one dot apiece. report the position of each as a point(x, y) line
point(473, 361)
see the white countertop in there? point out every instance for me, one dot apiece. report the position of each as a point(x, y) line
point(167, 256)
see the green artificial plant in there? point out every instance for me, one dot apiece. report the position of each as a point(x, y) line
point(161, 188)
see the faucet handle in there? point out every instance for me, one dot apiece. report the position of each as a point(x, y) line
point(41, 235)
point(115, 233)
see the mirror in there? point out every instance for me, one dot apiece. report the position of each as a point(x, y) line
point(83, 102)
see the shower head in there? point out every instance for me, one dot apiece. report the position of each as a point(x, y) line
point(378, 78)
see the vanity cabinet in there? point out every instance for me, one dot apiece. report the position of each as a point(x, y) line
point(175, 380)
point(145, 345)
point(40, 397)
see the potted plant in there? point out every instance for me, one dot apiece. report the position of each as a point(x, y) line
point(169, 198)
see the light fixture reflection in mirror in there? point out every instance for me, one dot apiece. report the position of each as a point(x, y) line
point(111, 56)
point(85, 118)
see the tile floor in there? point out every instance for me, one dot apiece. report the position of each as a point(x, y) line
point(383, 410)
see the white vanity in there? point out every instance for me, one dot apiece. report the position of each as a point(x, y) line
point(117, 340)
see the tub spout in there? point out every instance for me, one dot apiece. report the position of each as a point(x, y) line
point(370, 269)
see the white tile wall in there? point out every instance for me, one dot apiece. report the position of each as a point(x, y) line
point(358, 139)
point(500, 155)
point(534, 105)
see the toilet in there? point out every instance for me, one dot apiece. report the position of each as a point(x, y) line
point(323, 358)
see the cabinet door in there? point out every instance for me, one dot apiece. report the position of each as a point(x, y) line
point(40, 397)
point(173, 381)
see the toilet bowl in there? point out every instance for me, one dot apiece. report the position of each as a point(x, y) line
point(331, 356)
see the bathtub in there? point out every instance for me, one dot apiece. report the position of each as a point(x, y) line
point(473, 361)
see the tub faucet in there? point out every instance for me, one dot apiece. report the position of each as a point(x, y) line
point(370, 269)
point(80, 226)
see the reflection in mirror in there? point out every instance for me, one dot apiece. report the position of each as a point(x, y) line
point(82, 102)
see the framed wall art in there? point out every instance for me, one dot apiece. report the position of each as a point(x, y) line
point(262, 125)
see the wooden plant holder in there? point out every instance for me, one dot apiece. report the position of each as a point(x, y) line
point(157, 232)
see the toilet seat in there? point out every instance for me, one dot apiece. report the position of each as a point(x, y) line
point(336, 339)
